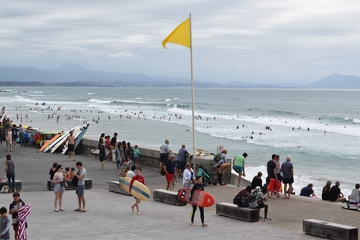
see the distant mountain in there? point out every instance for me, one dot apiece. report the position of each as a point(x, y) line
point(336, 81)
point(76, 75)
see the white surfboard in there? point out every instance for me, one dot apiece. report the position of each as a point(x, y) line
point(76, 133)
point(59, 139)
point(58, 144)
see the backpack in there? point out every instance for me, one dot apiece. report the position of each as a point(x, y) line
point(74, 181)
point(252, 196)
point(237, 199)
point(241, 200)
point(217, 157)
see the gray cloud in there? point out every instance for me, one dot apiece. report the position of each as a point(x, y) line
point(260, 41)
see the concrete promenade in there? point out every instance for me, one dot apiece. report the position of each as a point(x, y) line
point(109, 214)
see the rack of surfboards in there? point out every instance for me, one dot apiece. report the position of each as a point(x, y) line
point(60, 139)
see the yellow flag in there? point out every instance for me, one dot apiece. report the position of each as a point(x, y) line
point(180, 35)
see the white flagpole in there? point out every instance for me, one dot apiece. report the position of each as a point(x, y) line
point(192, 98)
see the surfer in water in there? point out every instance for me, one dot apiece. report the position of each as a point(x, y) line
point(141, 179)
point(198, 186)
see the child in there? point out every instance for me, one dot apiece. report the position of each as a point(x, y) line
point(67, 173)
point(141, 179)
point(198, 186)
point(4, 225)
point(125, 172)
point(14, 209)
point(136, 155)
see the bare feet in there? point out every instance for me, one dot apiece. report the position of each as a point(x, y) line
point(132, 208)
point(193, 224)
point(138, 213)
point(204, 225)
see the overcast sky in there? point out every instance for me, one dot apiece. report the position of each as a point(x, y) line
point(264, 41)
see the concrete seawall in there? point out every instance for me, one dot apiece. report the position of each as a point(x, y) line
point(150, 157)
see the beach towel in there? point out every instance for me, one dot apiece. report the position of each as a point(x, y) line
point(22, 215)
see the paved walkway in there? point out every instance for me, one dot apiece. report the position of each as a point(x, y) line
point(109, 214)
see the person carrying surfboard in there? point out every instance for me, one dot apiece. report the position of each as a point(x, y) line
point(198, 186)
point(141, 179)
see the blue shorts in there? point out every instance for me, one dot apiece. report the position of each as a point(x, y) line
point(80, 190)
point(238, 169)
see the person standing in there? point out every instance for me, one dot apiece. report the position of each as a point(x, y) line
point(119, 154)
point(141, 179)
point(180, 160)
point(21, 136)
point(164, 151)
point(288, 176)
point(188, 176)
point(136, 155)
point(169, 172)
point(200, 187)
point(4, 224)
point(71, 145)
point(8, 138)
point(52, 171)
point(10, 173)
point(222, 166)
point(81, 174)
point(239, 166)
point(59, 188)
point(101, 148)
point(271, 171)
point(14, 209)
point(14, 136)
point(112, 145)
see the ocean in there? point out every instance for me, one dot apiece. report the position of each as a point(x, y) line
point(319, 129)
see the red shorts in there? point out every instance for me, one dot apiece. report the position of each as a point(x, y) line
point(169, 177)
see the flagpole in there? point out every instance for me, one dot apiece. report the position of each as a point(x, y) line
point(192, 98)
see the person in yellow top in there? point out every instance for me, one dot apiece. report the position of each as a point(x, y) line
point(239, 166)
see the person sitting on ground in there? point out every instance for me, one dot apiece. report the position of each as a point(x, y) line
point(131, 172)
point(257, 181)
point(259, 202)
point(241, 199)
point(307, 191)
point(326, 191)
point(354, 197)
point(336, 194)
point(72, 173)
point(67, 174)
point(52, 171)
point(125, 172)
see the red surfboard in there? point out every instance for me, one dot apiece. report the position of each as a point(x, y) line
point(199, 198)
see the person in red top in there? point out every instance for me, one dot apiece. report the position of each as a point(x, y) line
point(141, 179)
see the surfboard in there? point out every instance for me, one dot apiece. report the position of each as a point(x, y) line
point(63, 139)
point(138, 190)
point(78, 139)
point(3, 117)
point(49, 142)
point(200, 198)
point(352, 206)
point(50, 147)
point(76, 133)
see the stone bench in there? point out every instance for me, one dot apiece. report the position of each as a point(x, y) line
point(240, 213)
point(114, 186)
point(18, 184)
point(329, 230)
point(88, 185)
point(162, 195)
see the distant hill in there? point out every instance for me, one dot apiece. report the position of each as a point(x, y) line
point(336, 81)
point(76, 75)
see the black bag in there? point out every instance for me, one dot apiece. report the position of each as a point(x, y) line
point(162, 171)
point(74, 181)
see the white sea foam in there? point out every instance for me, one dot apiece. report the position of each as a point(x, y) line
point(91, 93)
